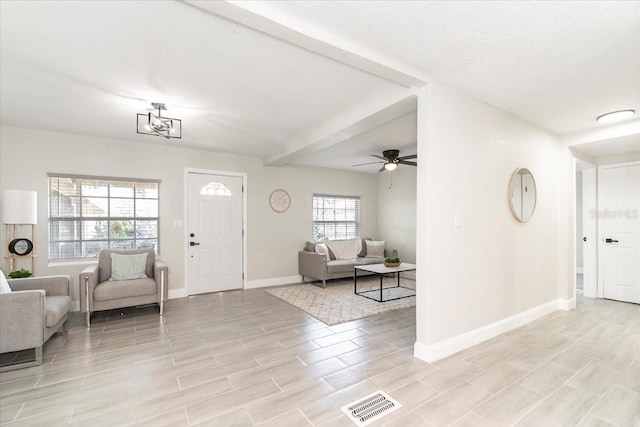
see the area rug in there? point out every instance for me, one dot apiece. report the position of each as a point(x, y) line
point(338, 304)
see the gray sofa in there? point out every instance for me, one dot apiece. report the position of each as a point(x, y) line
point(35, 309)
point(98, 293)
point(315, 266)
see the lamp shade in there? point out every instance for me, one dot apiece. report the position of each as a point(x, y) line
point(20, 207)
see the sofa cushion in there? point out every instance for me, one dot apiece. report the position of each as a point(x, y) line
point(340, 266)
point(363, 252)
point(370, 260)
point(104, 261)
point(56, 307)
point(375, 248)
point(106, 291)
point(322, 249)
point(4, 285)
point(310, 247)
point(128, 267)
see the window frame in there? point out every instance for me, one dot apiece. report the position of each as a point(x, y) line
point(81, 218)
point(335, 197)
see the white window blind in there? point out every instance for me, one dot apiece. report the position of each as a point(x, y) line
point(88, 214)
point(335, 217)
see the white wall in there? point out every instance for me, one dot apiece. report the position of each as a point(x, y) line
point(26, 156)
point(397, 211)
point(492, 267)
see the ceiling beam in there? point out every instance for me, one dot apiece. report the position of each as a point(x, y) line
point(601, 133)
point(345, 127)
point(258, 17)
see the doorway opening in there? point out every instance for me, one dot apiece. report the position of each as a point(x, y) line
point(586, 236)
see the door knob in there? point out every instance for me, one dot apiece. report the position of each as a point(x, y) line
point(193, 244)
point(584, 239)
point(607, 240)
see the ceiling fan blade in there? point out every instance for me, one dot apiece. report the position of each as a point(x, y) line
point(404, 162)
point(370, 163)
point(378, 157)
point(410, 156)
point(381, 169)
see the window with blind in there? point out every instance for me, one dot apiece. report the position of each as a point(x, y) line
point(88, 214)
point(335, 217)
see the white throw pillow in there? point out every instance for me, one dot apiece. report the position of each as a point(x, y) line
point(128, 267)
point(375, 248)
point(322, 249)
point(4, 285)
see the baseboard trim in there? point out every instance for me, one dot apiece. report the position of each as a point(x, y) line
point(75, 305)
point(567, 304)
point(435, 352)
point(250, 284)
point(275, 281)
point(177, 293)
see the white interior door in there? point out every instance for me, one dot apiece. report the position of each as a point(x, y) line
point(589, 232)
point(529, 196)
point(619, 230)
point(215, 233)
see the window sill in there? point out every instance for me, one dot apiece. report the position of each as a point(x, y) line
point(67, 262)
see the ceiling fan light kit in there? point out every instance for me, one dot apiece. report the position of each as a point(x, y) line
point(391, 160)
point(156, 125)
point(615, 116)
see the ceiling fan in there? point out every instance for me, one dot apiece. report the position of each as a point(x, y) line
point(391, 160)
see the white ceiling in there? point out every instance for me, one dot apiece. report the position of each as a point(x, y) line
point(89, 67)
point(558, 64)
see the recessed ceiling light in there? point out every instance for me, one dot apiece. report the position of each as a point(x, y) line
point(615, 116)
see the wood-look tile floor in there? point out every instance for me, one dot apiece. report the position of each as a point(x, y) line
point(245, 358)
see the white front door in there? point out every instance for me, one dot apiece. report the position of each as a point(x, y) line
point(619, 230)
point(215, 233)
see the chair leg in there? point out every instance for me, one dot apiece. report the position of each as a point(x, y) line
point(39, 355)
point(65, 327)
point(162, 284)
point(324, 284)
point(88, 319)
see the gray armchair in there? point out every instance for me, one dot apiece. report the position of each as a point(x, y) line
point(35, 309)
point(98, 293)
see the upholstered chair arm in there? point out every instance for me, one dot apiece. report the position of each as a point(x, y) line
point(161, 274)
point(313, 265)
point(88, 282)
point(21, 320)
point(53, 285)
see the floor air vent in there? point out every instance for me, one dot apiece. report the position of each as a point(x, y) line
point(370, 408)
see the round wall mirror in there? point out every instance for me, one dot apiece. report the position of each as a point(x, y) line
point(522, 194)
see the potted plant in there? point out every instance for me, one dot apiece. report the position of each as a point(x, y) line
point(392, 262)
point(20, 274)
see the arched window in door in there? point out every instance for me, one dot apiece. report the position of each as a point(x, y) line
point(215, 189)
